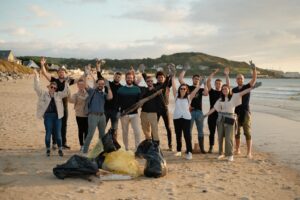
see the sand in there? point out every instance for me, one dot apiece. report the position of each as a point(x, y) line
point(26, 173)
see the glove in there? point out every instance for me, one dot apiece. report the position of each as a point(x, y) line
point(186, 67)
point(203, 81)
point(142, 68)
point(252, 65)
point(257, 84)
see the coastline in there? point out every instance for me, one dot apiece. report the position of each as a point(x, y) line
point(26, 173)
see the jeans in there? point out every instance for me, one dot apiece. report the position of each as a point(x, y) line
point(52, 125)
point(196, 117)
point(112, 115)
point(94, 121)
point(82, 123)
point(166, 118)
point(63, 128)
point(183, 125)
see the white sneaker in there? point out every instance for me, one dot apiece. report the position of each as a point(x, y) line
point(189, 156)
point(178, 154)
point(230, 158)
point(220, 157)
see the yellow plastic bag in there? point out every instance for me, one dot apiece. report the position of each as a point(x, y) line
point(122, 162)
point(96, 150)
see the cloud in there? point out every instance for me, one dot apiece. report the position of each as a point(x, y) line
point(16, 31)
point(82, 1)
point(51, 24)
point(38, 11)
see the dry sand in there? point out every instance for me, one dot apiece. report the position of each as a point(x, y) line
point(26, 173)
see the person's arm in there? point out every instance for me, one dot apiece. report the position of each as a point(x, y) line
point(72, 98)
point(44, 71)
point(208, 81)
point(192, 95)
point(181, 76)
point(205, 89)
point(174, 86)
point(254, 74)
point(109, 92)
point(212, 110)
point(246, 91)
point(226, 73)
point(37, 86)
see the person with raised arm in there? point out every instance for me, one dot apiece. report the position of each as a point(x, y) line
point(226, 122)
point(50, 108)
point(182, 116)
point(243, 111)
point(162, 82)
point(196, 105)
point(60, 81)
point(95, 110)
point(214, 95)
point(111, 107)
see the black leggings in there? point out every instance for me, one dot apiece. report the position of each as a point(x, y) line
point(166, 118)
point(183, 125)
point(82, 123)
point(212, 124)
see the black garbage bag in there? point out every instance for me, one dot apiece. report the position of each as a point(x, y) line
point(110, 142)
point(156, 165)
point(76, 167)
point(100, 160)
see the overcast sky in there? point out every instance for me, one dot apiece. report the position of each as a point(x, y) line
point(266, 31)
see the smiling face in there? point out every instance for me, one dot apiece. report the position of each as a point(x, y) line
point(196, 80)
point(218, 85)
point(149, 82)
point(100, 84)
point(52, 87)
point(183, 90)
point(61, 74)
point(80, 85)
point(160, 78)
point(240, 79)
point(225, 90)
point(117, 77)
point(129, 79)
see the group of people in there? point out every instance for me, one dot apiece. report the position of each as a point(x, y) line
point(110, 100)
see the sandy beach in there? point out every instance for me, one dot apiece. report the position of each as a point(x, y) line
point(26, 172)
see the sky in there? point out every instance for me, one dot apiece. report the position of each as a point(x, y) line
point(265, 31)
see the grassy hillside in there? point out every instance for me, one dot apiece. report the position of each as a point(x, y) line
point(195, 59)
point(6, 66)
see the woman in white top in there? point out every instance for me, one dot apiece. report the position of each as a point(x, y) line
point(182, 116)
point(226, 122)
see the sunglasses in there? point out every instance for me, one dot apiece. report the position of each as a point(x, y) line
point(53, 87)
point(182, 88)
point(149, 81)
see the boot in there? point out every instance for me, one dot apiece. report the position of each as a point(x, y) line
point(201, 145)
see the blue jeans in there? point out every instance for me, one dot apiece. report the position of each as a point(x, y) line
point(196, 117)
point(94, 121)
point(52, 124)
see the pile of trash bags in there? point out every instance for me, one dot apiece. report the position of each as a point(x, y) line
point(108, 155)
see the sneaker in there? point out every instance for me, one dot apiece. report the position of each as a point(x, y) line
point(210, 149)
point(230, 158)
point(60, 153)
point(81, 149)
point(189, 156)
point(220, 157)
point(54, 146)
point(48, 152)
point(66, 147)
point(178, 154)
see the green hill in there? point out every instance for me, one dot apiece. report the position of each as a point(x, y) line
point(200, 63)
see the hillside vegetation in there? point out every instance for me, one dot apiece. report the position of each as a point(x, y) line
point(200, 63)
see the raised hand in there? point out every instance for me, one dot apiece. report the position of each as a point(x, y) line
point(87, 70)
point(186, 66)
point(203, 81)
point(142, 67)
point(98, 64)
point(171, 69)
point(252, 65)
point(43, 61)
point(226, 71)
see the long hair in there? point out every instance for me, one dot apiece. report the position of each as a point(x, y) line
point(186, 92)
point(229, 93)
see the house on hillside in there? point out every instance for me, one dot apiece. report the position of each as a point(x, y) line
point(291, 75)
point(31, 64)
point(9, 56)
point(53, 67)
